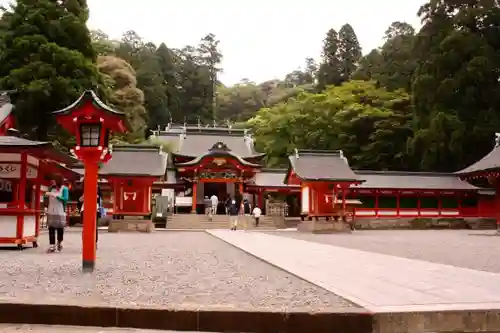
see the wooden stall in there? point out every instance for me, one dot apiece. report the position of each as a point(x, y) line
point(23, 164)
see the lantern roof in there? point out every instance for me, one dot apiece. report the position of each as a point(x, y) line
point(89, 105)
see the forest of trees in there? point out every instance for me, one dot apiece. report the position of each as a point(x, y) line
point(424, 100)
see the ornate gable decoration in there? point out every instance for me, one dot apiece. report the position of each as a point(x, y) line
point(220, 146)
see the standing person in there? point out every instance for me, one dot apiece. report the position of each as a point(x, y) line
point(256, 215)
point(233, 211)
point(98, 211)
point(208, 206)
point(215, 202)
point(227, 204)
point(58, 196)
point(247, 212)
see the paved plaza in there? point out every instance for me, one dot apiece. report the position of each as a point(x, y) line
point(186, 270)
point(378, 282)
point(437, 281)
point(475, 249)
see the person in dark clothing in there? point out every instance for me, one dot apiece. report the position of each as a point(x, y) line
point(247, 212)
point(227, 204)
point(234, 210)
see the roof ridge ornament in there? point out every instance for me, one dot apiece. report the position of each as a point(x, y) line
point(219, 146)
point(497, 139)
point(342, 156)
point(296, 151)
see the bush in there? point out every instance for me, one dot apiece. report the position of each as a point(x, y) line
point(420, 223)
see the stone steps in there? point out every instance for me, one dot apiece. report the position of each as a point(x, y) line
point(195, 221)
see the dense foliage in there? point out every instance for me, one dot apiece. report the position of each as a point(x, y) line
point(424, 100)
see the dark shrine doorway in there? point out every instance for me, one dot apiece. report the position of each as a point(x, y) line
point(220, 190)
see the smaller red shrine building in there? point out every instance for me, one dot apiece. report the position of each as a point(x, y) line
point(128, 178)
point(488, 168)
point(324, 178)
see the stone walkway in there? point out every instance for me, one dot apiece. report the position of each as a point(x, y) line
point(378, 282)
point(12, 328)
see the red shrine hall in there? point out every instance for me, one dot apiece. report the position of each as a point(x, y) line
point(25, 167)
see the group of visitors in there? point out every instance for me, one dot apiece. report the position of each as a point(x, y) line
point(57, 199)
point(237, 210)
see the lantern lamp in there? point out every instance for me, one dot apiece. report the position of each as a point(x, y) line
point(90, 135)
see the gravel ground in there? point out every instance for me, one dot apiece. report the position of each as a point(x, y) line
point(174, 269)
point(462, 248)
point(9, 328)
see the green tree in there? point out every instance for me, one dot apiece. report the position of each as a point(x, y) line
point(455, 86)
point(349, 51)
point(47, 56)
point(393, 65)
point(330, 71)
point(371, 125)
point(211, 57)
point(120, 77)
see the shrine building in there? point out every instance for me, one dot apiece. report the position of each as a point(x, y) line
point(223, 161)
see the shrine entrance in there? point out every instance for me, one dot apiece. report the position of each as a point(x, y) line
point(219, 189)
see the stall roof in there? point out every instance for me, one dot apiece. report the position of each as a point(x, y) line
point(412, 180)
point(15, 142)
point(322, 165)
point(136, 160)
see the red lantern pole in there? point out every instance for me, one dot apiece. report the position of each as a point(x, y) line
point(90, 215)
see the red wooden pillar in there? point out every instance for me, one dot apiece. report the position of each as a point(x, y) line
point(310, 194)
point(418, 204)
point(38, 195)
point(21, 194)
point(344, 197)
point(440, 204)
point(240, 189)
point(376, 203)
point(398, 204)
point(261, 199)
point(195, 195)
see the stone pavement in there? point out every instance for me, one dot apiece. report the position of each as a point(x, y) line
point(378, 282)
point(13, 328)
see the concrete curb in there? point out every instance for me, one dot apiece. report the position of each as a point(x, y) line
point(215, 320)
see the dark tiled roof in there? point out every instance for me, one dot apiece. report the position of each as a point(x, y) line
point(322, 165)
point(219, 149)
point(171, 139)
point(487, 163)
point(13, 141)
point(196, 141)
point(271, 178)
point(412, 180)
point(136, 160)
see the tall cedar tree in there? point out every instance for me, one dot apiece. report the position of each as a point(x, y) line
point(349, 51)
point(47, 56)
point(329, 72)
point(455, 86)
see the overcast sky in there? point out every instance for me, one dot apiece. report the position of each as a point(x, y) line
point(260, 39)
